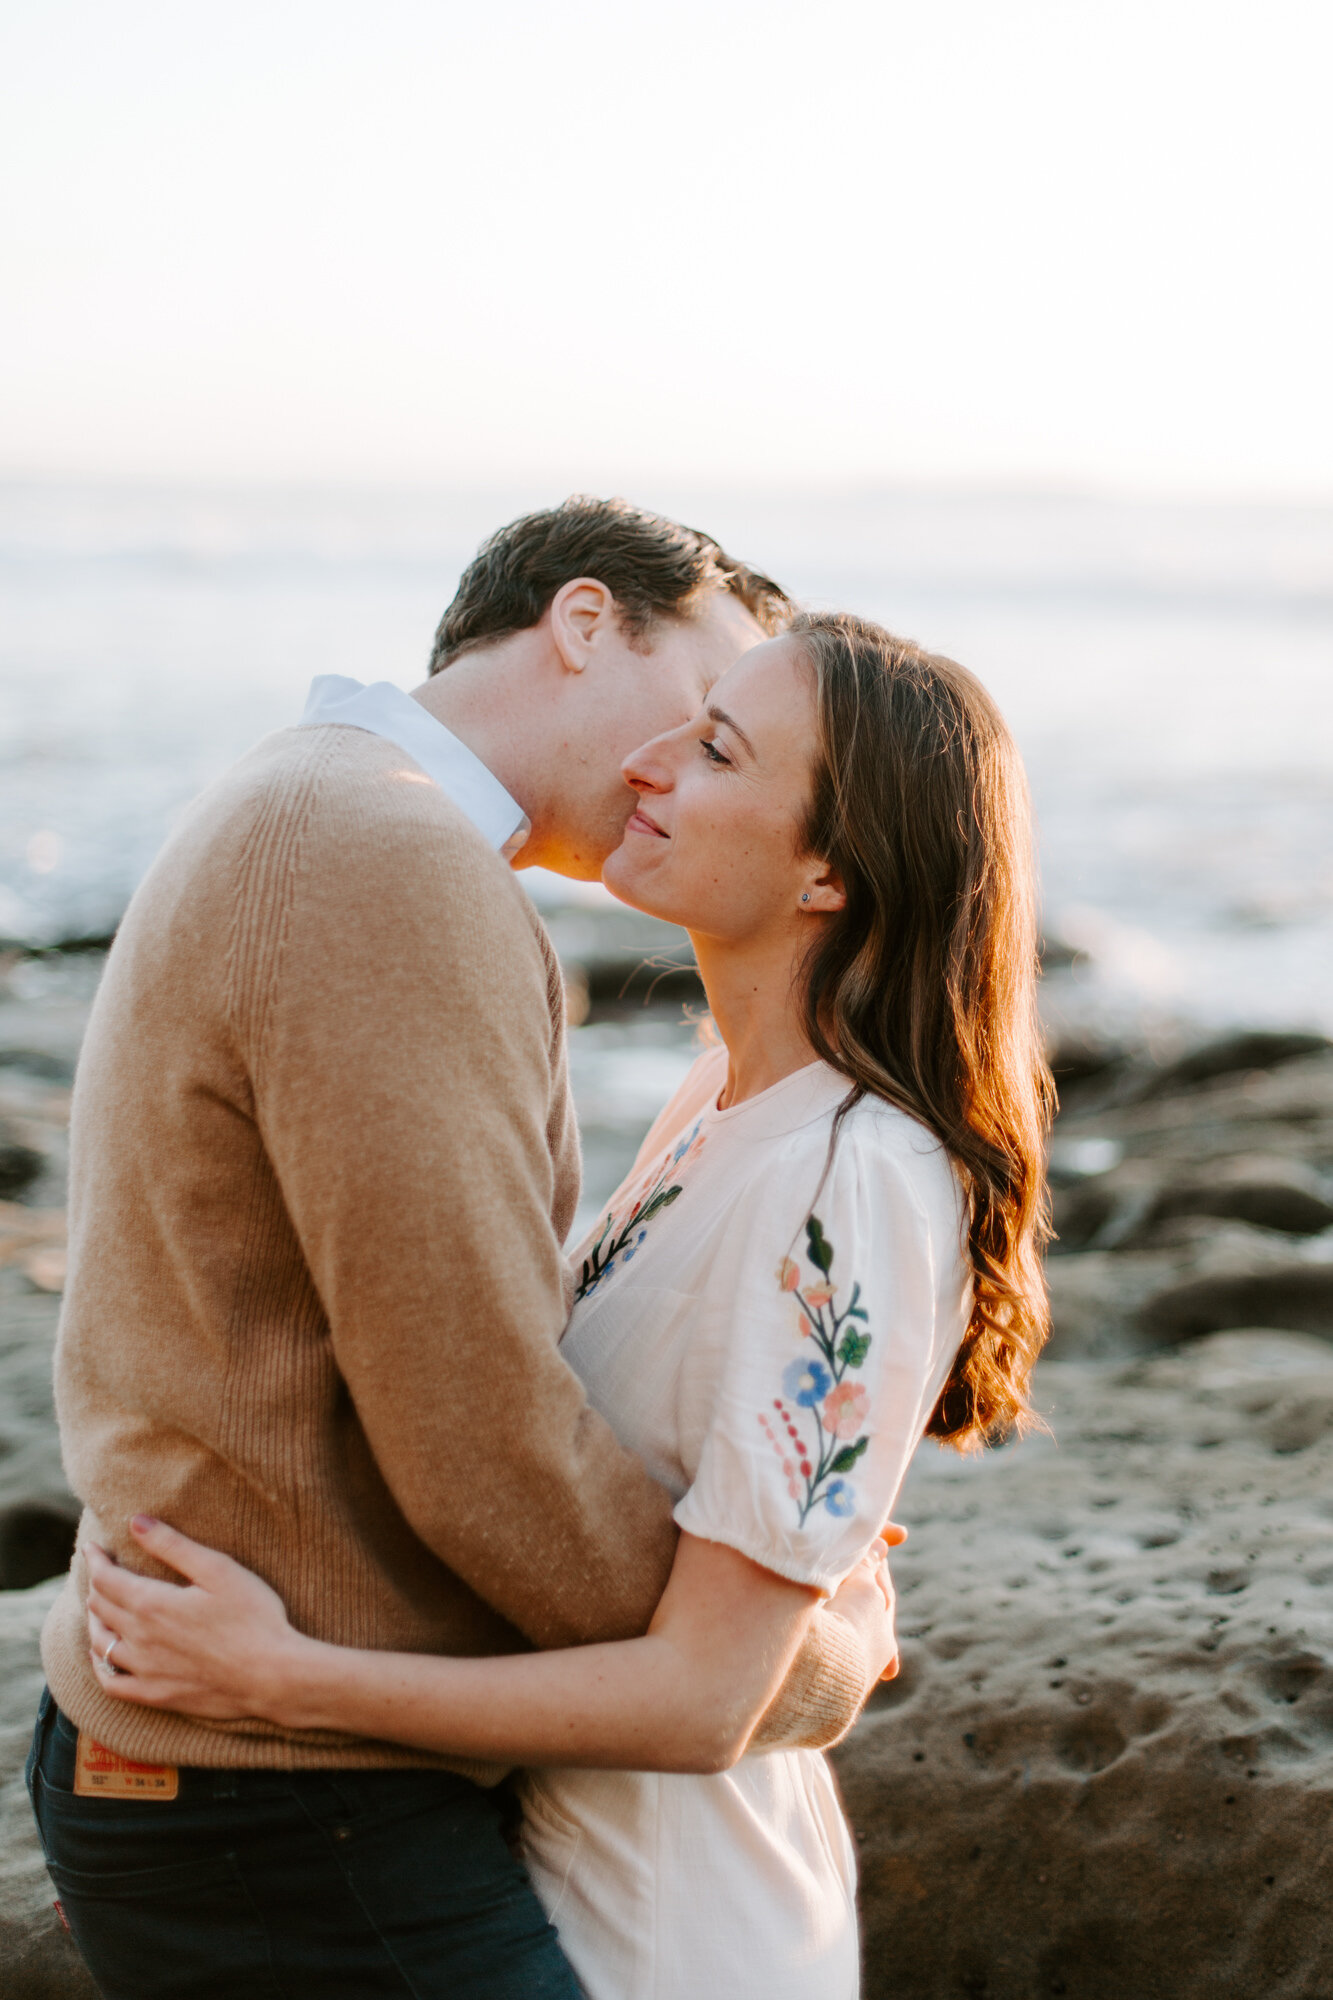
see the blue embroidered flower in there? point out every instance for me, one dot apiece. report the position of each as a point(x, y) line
point(632, 1249)
point(807, 1382)
point(840, 1498)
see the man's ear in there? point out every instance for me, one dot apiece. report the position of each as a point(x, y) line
point(579, 612)
point(822, 892)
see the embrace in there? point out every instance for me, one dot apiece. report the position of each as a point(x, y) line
point(455, 1615)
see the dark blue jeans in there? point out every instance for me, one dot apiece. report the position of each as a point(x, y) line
point(304, 1885)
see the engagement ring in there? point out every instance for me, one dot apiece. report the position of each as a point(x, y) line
point(108, 1664)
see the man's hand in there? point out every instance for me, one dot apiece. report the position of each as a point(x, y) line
point(865, 1599)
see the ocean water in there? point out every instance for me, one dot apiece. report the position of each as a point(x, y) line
point(1168, 671)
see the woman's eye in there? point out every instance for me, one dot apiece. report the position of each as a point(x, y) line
point(711, 751)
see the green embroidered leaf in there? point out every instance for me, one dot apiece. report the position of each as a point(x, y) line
point(847, 1457)
point(853, 1349)
point(821, 1250)
point(662, 1199)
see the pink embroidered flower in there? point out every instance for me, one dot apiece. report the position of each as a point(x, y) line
point(819, 1295)
point(846, 1410)
point(789, 1275)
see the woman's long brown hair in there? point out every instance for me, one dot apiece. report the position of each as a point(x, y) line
point(923, 989)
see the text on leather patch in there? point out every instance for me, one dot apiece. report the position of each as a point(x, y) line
point(100, 1773)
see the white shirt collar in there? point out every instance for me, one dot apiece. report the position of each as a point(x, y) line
point(386, 711)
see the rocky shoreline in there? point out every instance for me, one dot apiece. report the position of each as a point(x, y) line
point(1107, 1767)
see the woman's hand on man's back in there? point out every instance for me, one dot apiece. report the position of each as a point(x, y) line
point(865, 1599)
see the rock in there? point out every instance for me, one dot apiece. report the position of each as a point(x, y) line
point(36, 1541)
point(1228, 1055)
point(1287, 1112)
point(20, 1165)
point(1078, 1061)
point(1189, 1214)
point(1127, 1206)
point(1300, 1297)
point(36, 1507)
point(1100, 1299)
point(1057, 955)
point(34, 1139)
point(37, 1960)
point(1093, 1074)
point(1269, 1193)
point(39, 1063)
point(1106, 1768)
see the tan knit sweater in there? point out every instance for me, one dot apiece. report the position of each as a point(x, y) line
point(322, 1160)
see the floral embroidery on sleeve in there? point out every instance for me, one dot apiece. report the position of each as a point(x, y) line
point(817, 1391)
point(622, 1240)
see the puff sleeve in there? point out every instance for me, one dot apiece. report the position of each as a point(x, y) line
point(839, 1311)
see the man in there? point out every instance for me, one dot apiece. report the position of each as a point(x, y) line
point(323, 1159)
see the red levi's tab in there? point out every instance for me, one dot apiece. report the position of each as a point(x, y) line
point(100, 1773)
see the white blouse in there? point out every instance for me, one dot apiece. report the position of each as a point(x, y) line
point(768, 1325)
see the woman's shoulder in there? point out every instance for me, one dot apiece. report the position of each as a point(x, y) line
point(869, 1127)
point(876, 1126)
point(884, 1136)
point(872, 1148)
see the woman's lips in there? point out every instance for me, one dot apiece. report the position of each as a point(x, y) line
point(641, 823)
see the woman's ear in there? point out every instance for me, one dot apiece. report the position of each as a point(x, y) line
point(579, 610)
point(822, 894)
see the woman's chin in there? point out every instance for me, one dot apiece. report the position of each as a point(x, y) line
point(628, 885)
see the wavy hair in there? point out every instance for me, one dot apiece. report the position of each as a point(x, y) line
point(923, 989)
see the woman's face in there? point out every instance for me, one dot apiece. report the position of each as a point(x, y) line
point(715, 842)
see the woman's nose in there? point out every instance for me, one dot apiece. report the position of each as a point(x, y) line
point(648, 768)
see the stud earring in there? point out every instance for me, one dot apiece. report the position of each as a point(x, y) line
point(806, 897)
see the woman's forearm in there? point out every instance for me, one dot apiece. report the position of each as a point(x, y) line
point(638, 1704)
point(686, 1697)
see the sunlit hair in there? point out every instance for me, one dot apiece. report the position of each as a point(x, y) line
point(923, 989)
point(653, 567)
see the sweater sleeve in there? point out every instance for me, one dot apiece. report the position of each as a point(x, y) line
point(825, 1689)
point(397, 1025)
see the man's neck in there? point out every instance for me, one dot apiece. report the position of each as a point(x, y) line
point(480, 718)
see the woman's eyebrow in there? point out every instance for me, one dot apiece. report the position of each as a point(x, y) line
point(720, 715)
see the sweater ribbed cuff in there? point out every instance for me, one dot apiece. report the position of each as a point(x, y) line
point(823, 1693)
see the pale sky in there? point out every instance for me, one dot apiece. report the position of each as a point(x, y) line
point(601, 242)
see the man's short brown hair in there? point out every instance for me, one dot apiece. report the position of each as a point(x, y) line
point(654, 569)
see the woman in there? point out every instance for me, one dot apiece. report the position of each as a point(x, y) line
point(828, 1246)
